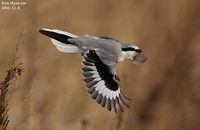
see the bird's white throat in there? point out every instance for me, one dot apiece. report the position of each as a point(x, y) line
point(126, 55)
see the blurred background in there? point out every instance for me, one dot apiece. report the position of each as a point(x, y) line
point(50, 95)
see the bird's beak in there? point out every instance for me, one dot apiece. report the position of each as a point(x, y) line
point(138, 59)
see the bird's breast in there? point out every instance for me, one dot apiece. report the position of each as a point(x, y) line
point(120, 59)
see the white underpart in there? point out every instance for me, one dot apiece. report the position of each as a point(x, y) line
point(127, 55)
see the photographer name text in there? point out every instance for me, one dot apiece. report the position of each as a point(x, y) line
point(12, 5)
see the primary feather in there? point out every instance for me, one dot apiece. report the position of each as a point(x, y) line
point(100, 56)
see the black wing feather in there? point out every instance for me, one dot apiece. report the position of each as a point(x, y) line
point(92, 68)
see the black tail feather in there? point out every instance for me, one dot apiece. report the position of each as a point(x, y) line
point(57, 36)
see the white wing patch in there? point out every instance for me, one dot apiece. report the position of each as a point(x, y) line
point(97, 87)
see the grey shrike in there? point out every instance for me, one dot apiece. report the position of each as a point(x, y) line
point(100, 56)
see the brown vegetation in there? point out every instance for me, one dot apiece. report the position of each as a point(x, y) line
point(50, 96)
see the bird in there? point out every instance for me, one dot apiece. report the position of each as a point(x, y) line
point(100, 55)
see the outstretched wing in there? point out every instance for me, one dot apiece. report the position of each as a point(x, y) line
point(102, 83)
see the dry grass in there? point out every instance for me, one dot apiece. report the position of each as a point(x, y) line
point(12, 73)
point(51, 96)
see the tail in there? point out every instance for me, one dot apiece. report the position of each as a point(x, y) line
point(60, 40)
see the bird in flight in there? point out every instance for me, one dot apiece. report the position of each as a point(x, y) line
point(99, 58)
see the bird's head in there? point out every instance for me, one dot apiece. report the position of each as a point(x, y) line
point(133, 53)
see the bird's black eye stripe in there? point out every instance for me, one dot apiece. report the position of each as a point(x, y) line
point(132, 49)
